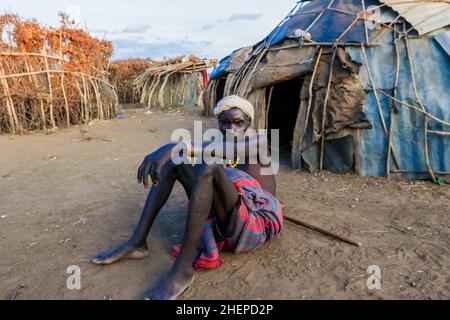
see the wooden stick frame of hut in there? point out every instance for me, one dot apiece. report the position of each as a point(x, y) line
point(171, 83)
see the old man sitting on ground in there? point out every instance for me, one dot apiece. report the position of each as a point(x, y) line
point(232, 204)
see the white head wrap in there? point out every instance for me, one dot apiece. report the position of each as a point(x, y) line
point(234, 101)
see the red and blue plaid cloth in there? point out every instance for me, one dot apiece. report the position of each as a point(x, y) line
point(259, 220)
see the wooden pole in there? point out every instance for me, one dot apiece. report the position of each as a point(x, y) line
point(66, 104)
point(29, 68)
point(82, 105)
point(100, 114)
point(401, 103)
point(50, 88)
point(365, 22)
point(323, 231)
point(419, 101)
point(310, 97)
point(377, 99)
point(87, 104)
point(80, 74)
point(268, 107)
point(397, 73)
point(324, 112)
point(9, 106)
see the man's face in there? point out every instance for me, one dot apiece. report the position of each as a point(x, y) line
point(234, 119)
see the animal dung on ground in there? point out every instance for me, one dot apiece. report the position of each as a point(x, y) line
point(50, 157)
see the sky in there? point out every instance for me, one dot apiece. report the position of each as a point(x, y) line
point(164, 28)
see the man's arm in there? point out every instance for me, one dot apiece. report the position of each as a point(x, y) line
point(249, 148)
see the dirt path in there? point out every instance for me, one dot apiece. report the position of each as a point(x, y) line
point(68, 195)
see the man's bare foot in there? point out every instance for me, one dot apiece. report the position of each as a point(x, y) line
point(170, 286)
point(123, 251)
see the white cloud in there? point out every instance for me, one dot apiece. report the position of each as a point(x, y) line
point(157, 28)
point(243, 16)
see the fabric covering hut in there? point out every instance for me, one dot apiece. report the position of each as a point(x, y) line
point(174, 82)
point(356, 85)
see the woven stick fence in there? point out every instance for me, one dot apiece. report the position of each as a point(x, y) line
point(52, 78)
point(123, 73)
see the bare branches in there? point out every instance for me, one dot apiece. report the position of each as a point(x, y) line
point(40, 72)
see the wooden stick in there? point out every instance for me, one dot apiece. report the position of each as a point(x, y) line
point(29, 68)
point(325, 232)
point(12, 126)
point(82, 106)
point(246, 80)
point(419, 101)
point(348, 28)
point(393, 106)
point(81, 74)
point(161, 90)
point(268, 107)
point(324, 112)
point(377, 99)
point(87, 103)
point(365, 22)
point(66, 103)
point(50, 88)
point(183, 97)
point(100, 115)
point(319, 16)
point(173, 93)
point(442, 133)
point(310, 98)
point(29, 54)
point(401, 103)
point(150, 95)
point(17, 291)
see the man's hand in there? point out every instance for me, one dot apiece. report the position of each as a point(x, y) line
point(152, 164)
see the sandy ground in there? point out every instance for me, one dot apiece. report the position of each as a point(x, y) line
point(68, 195)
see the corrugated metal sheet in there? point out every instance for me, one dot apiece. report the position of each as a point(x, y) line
point(424, 16)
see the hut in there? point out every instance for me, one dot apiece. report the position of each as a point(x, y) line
point(122, 74)
point(353, 86)
point(173, 82)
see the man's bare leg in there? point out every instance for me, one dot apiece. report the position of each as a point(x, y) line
point(136, 246)
point(211, 184)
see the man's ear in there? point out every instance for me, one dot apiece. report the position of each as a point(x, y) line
point(249, 121)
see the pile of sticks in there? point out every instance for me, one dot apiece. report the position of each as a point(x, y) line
point(52, 77)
